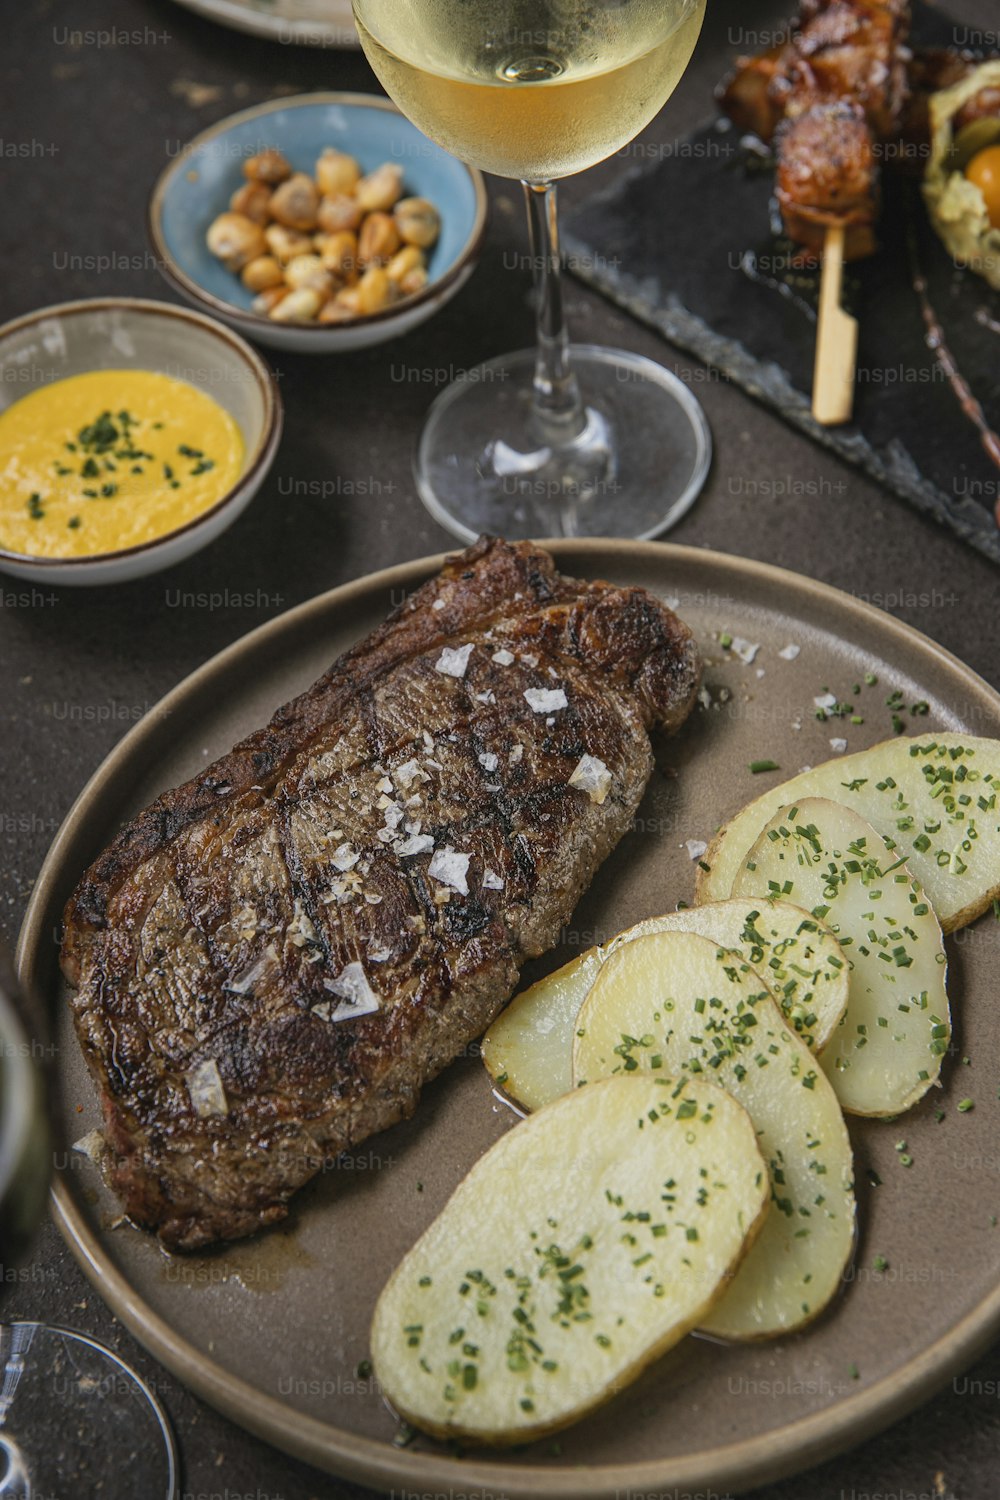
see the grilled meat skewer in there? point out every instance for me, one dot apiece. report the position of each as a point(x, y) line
point(827, 98)
point(828, 175)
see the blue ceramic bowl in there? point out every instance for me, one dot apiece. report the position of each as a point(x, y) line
point(197, 185)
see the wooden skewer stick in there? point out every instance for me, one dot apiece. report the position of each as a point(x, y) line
point(836, 340)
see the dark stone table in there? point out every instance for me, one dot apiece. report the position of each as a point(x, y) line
point(92, 126)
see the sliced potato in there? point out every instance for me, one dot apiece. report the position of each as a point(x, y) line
point(936, 797)
point(586, 1242)
point(887, 1051)
point(797, 957)
point(672, 1002)
point(528, 1050)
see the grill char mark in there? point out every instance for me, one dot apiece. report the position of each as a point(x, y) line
point(302, 888)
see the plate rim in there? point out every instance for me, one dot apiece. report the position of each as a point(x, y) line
point(239, 16)
point(732, 1467)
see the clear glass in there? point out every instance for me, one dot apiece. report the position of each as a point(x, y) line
point(561, 440)
point(74, 1420)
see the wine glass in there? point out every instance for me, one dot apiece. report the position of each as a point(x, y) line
point(74, 1419)
point(559, 440)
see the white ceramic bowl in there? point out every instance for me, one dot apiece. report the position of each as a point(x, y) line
point(197, 185)
point(117, 333)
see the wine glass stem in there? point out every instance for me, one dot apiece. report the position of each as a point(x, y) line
point(558, 407)
point(15, 1341)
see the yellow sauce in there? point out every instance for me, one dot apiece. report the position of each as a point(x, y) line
point(109, 460)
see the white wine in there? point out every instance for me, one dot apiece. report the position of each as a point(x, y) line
point(538, 89)
point(535, 89)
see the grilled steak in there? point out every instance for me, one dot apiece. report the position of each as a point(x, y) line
point(272, 959)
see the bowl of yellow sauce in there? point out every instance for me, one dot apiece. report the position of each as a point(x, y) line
point(132, 434)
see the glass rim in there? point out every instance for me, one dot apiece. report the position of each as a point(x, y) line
point(17, 1086)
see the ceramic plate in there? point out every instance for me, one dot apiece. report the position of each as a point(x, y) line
point(310, 23)
point(274, 1331)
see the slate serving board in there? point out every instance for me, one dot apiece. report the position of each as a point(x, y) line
point(684, 241)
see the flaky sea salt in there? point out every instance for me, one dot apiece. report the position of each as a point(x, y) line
point(345, 858)
point(592, 776)
point(408, 773)
point(356, 996)
point(745, 650)
point(92, 1145)
point(450, 868)
point(242, 983)
point(300, 929)
point(204, 1085)
point(417, 843)
point(454, 660)
point(545, 700)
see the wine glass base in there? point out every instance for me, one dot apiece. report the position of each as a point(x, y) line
point(75, 1420)
point(482, 464)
